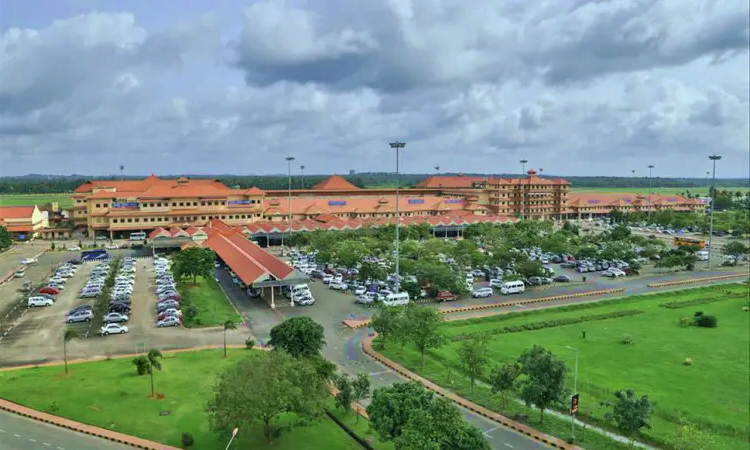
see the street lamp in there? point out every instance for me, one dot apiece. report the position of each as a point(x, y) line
point(712, 191)
point(397, 145)
point(632, 179)
point(575, 391)
point(289, 160)
point(122, 176)
point(437, 170)
point(234, 433)
point(650, 172)
point(708, 176)
point(523, 192)
point(302, 175)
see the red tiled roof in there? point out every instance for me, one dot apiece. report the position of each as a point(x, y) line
point(236, 258)
point(438, 181)
point(334, 183)
point(253, 191)
point(590, 199)
point(20, 228)
point(361, 205)
point(16, 212)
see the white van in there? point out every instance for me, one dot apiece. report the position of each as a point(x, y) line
point(300, 289)
point(40, 301)
point(512, 287)
point(702, 255)
point(402, 298)
point(496, 283)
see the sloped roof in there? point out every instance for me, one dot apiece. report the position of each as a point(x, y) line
point(334, 183)
point(441, 181)
point(354, 204)
point(16, 212)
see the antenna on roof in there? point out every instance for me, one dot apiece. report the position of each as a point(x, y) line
point(122, 168)
point(437, 169)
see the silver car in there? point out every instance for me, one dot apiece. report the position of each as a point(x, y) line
point(80, 316)
point(115, 317)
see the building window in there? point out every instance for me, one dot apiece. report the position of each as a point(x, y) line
point(130, 220)
point(203, 203)
point(203, 217)
point(174, 204)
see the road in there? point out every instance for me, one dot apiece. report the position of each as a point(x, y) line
point(20, 433)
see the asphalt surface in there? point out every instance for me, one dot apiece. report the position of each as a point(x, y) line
point(20, 433)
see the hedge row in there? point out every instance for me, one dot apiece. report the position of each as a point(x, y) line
point(701, 301)
point(551, 323)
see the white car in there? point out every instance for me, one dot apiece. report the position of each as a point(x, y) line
point(112, 246)
point(40, 301)
point(113, 328)
point(338, 286)
point(360, 291)
point(496, 283)
point(74, 248)
point(327, 279)
point(28, 261)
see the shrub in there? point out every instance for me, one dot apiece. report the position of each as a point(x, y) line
point(707, 321)
point(53, 407)
point(698, 314)
point(187, 440)
point(627, 340)
point(249, 342)
point(141, 365)
point(685, 321)
point(746, 308)
point(688, 362)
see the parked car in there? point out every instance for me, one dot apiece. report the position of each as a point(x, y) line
point(121, 308)
point(113, 328)
point(115, 317)
point(49, 290)
point(561, 278)
point(39, 301)
point(484, 292)
point(81, 308)
point(445, 296)
point(84, 315)
point(169, 321)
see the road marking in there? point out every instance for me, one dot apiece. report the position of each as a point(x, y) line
point(17, 435)
point(32, 440)
point(507, 445)
point(2, 431)
point(46, 444)
point(491, 430)
point(60, 448)
point(374, 374)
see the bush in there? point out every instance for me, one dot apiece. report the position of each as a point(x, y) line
point(141, 365)
point(707, 321)
point(187, 440)
point(249, 342)
point(698, 314)
point(627, 340)
point(685, 321)
point(746, 308)
point(688, 362)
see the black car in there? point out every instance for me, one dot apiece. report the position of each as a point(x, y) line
point(119, 307)
point(167, 305)
point(75, 262)
point(561, 279)
point(81, 308)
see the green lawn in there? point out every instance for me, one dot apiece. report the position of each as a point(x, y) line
point(213, 306)
point(63, 200)
point(110, 395)
point(713, 392)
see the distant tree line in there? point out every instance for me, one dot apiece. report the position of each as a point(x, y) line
point(44, 184)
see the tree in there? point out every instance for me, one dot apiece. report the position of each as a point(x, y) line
point(372, 271)
point(630, 413)
point(228, 325)
point(194, 262)
point(411, 288)
point(68, 336)
point(387, 321)
point(424, 328)
point(345, 394)
point(414, 419)
point(259, 389)
point(153, 363)
point(503, 379)
point(5, 238)
point(544, 384)
point(473, 356)
point(735, 249)
point(298, 336)
point(529, 269)
point(361, 387)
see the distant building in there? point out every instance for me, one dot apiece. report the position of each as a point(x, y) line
point(23, 222)
point(352, 172)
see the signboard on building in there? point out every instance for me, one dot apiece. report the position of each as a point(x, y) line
point(337, 203)
point(673, 199)
point(454, 200)
point(125, 205)
point(416, 201)
point(594, 201)
point(238, 202)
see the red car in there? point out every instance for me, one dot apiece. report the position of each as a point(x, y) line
point(49, 290)
point(445, 296)
point(164, 315)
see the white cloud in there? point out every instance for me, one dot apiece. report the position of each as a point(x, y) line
point(577, 87)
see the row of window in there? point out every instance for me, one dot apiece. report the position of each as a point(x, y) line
point(179, 204)
point(185, 218)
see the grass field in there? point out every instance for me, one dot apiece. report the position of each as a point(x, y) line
point(63, 200)
point(213, 306)
point(110, 395)
point(713, 392)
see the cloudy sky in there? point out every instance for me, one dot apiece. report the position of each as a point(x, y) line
point(577, 87)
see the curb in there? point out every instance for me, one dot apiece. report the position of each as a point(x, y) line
point(696, 280)
point(362, 324)
point(473, 407)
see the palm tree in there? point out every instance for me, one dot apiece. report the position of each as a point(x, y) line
point(154, 362)
point(228, 325)
point(67, 337)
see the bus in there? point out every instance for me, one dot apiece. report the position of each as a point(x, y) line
point(138, 236)
point(683, 241)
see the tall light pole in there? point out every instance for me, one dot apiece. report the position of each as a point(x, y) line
point(122, 176)
point(234, 433)
point(289, 160)
point(397, 145)
point(302, 175)
point(437, 170)
point(650, 172)
point(575, 391)
point(523, 192)
point(632, 179)
point(713, 159)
